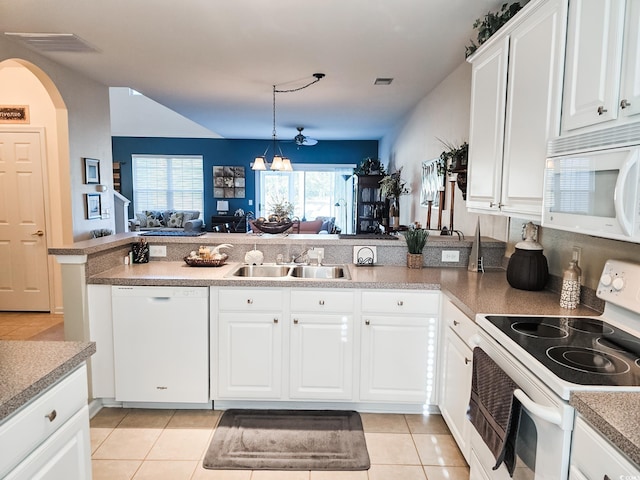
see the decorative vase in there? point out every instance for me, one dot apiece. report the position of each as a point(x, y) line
point(394, 213)
point(415, 260)
point(528, 269)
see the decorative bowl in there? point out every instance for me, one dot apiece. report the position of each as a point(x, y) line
point(273, 227)
point(206, 262)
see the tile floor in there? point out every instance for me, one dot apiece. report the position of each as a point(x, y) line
point(170, 444)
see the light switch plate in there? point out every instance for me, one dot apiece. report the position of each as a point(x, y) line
point(365, 255)
point(451, 255)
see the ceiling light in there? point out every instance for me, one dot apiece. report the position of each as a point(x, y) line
point(383, 81)
point(279, 161)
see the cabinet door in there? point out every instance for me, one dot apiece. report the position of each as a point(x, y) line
point(395, 360)
point(630, 86)
point(593, 62)
point(249, 355)
point(456, 388)
point(533, 107)
point(321, 356)
point(161, 346)
point(486, 134)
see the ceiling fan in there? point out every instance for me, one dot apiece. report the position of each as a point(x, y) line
point(303, 140)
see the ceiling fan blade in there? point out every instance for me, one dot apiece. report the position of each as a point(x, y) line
point(309, 142)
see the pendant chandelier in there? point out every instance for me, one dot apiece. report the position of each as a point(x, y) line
point(279, 162)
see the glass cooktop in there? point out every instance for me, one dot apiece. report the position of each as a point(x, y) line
point(583, 351)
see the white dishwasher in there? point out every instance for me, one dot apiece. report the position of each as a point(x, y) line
point(160, 343)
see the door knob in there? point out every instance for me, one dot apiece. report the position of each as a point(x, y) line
point(39, 233)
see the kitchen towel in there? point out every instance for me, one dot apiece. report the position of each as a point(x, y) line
point(493, 409)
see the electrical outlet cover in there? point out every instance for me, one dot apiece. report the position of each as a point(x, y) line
point(365, 255)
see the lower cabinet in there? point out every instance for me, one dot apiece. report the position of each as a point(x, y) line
point(49, 438)
point(397, 345)
point(455, 376)
point(160, 343)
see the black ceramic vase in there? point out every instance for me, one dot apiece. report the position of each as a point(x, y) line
point(527, 270)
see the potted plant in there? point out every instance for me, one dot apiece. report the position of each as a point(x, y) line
point(391, 187)
point(455, 158)
point(416, 239)
point(369, 166)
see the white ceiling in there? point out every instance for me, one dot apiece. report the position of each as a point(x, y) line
point(215, 61)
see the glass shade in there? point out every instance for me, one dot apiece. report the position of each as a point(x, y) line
point(286, 165)
point(277, 163)
point(258, 164)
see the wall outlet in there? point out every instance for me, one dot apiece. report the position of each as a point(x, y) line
point(157, 250)
point(450, 255)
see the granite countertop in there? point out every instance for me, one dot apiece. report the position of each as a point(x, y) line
point(614, 415)
point(28, 368)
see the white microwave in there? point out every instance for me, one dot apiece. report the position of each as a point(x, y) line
point(594, 193)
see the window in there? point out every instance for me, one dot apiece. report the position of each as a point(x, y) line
point(162, 182)
point(313, 190)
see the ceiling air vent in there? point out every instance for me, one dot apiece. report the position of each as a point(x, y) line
point(52, 42)
point(383, 81)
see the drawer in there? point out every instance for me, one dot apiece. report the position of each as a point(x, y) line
point(401, 301)
point(329, 301)
point(250, 299)
point(594, 458)
point(31, 426)
point(457, 321)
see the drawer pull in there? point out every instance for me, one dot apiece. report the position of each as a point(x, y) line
point(321, 302)
point(249, 301)
point(295, 320)
point(456, 323)
point(602, 110)
point(367, 322)
point(275, 320)
point(52, 416)
point(466, 361)
point(400, 303)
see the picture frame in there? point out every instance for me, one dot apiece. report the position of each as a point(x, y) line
point(91, 171)
point(228, 182)
point(94, 206)
point(432, 182)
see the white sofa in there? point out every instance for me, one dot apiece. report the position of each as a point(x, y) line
point(156, 220)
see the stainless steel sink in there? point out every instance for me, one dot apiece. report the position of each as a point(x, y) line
point(335, 272)
point(261, 271)
point(320, 271)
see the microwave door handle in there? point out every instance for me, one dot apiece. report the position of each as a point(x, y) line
point(618, 195)
point(548, 414)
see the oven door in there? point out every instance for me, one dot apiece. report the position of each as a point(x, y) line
point(544, 434)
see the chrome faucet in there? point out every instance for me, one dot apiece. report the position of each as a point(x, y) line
point(296, 258)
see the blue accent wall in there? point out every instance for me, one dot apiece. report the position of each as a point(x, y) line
point(231, 152)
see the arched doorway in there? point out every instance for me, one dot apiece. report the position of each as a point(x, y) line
point(35, 210)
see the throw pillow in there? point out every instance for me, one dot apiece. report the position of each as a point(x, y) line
point(142, 218)
point(154, 218)
point(190, 215)
point(175, 220)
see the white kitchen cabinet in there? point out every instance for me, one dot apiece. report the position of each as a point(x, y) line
point(49, 438)
point(398, 343)
point(515, 109)
point(593, 70)
point(249, 339)
point(321, 344)
point(161, 349)
point(594, 458)
point(455, 381)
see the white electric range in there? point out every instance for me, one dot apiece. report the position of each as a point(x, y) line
point(549, 357)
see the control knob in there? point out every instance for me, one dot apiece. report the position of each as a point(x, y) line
point(618, 283)
point(606, 279)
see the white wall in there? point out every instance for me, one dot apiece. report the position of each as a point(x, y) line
point(442, 114)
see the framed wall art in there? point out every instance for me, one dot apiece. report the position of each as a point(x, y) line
point(228, 182)
point(91, 170)
point(94, 208)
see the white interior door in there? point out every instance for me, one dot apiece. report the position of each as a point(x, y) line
point(24, 277)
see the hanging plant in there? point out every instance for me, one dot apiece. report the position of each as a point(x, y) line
point(491, 23)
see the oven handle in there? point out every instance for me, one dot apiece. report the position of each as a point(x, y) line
point(548, 414)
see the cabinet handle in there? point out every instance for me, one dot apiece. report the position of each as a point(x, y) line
point(602, 110)
point(161, 388)
point(367, 322)
point(321, 302)
point(492, 204)
point(456, 323)
point(624, 104)
point(606, 477)
point(249, 301)
point(52, 416)
point(400, 303)
point(466, 361)
point(295, 320)
point(275, 320)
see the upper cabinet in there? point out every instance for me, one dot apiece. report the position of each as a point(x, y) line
point(515, 109)
point(602, 70)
